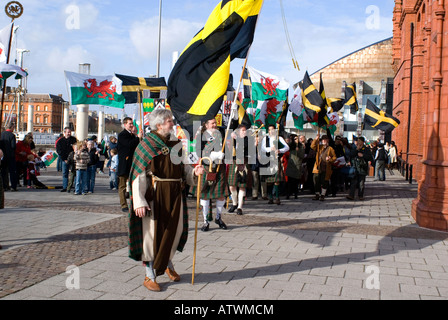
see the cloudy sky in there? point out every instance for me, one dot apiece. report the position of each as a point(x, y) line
point(122, 36)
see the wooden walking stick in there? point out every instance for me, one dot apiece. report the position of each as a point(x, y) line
point(198, 195)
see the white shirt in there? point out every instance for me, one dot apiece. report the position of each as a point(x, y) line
point(282, 141)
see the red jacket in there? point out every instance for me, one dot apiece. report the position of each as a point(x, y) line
point(22, 147)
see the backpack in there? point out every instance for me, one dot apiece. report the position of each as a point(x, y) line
point(361, 166)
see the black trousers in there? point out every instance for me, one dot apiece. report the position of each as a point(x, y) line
point(358, 182)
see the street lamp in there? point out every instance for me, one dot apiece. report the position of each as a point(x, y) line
point(160, 36)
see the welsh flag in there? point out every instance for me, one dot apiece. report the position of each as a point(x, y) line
point(266, 86)
point(49, 157)
point(99, 90)
point(296, 108)
point(266, 113)
point(5, 35)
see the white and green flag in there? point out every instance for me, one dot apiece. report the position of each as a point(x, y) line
point(266, 86)
point(49, 157)
point(5, 39)
point(99, 90)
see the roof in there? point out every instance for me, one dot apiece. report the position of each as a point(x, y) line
point(373, 44)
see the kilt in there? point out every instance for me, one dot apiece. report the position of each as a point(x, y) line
point(217, 190)
point(232, 177)
point(276, 178)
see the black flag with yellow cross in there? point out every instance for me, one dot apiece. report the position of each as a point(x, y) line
point(198, 82)
point(378, 119)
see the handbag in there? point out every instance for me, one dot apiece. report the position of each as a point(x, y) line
point(349, 171)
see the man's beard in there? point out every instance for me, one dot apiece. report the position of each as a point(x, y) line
point(168, 133)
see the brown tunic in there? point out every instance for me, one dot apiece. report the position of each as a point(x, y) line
point(163, 228)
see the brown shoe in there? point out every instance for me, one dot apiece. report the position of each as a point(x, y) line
point(277, 201)
point(151, 285)
point(172, 275)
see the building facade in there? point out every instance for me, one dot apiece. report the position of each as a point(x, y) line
point(420, 56)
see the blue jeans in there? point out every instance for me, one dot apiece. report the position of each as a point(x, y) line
point(380, 168)
point(113, 180)
point(59, 164)
point(91, 174)
point(81, 181)
point(65, 172)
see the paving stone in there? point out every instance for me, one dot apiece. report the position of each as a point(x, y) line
point(269, 253)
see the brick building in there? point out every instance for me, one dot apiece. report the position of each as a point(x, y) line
point(420, 56)
point(48, 112)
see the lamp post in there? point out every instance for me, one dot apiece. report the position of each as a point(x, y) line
point(82, 116)
point(160, 37)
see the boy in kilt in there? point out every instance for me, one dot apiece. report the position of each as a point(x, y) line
point(239, 172)
point(275, 144)
point(217, 189)
point(158, 218)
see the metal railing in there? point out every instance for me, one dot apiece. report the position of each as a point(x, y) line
point(406, 169)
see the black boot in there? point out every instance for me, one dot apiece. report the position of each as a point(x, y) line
point(221, 224)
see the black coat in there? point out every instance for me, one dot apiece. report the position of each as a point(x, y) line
point(9, 140)
point(64, 147)
point(127, 143)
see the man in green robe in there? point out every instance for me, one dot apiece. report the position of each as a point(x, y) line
point(158, 216)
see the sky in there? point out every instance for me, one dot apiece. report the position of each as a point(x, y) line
point(122, 36)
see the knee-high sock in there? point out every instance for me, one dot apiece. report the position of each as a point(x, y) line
point(219, 206)
point(269, 190)
point(276, 191)
point(150, 270)
point(241, 195)
point(205, 207)
point(235, 197)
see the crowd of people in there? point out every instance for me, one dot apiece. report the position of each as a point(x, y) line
point(323, 167)
point(79, 162)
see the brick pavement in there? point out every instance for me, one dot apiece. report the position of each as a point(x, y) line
point(298, 250)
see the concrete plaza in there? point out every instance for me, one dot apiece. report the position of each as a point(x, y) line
point(302, 249)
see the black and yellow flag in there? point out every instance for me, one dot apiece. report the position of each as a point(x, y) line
point(378, 119)
point(132, 84)
point(198, 81)
point(335, 104)
point(323, 117)
point(351, 99)
point(311, 99)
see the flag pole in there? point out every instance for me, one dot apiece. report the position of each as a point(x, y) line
point(4, 82)
point(198, 199)
point(239, 86)
point(139, 101)
point(232, 112)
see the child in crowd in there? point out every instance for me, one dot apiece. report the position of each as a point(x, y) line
point(31, 174)
point(82, 159)
point(113, 167)
point(91, 167)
